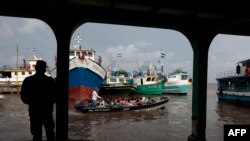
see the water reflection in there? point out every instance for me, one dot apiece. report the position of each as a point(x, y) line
point(232, 113)
point(220, 113)
point(170, 124)
point(107, 125)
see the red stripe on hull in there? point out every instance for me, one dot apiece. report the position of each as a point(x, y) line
point(80, 93)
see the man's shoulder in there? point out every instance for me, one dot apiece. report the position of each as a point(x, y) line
point(49, 78)
point(29, 78)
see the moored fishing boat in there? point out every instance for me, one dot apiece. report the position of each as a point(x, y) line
point(235, 85)
point(156, 104)
point(85, 72)
point(117, 85)
point(117, 81)
point(148, 82)
point(177, 82)
point(15, 76)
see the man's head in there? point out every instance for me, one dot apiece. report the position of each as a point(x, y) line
point(40, 66)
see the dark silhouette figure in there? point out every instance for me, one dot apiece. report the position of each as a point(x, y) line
point(238, 69)
point(39, 92)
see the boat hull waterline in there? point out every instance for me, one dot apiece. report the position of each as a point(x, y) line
point(150, 89)
point(182, 89)
point(117, 89)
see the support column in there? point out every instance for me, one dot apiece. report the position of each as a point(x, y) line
point(63, 32)
point(63, 40)
point(200, 43)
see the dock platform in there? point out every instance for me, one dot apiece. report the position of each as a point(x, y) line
point(10, 89)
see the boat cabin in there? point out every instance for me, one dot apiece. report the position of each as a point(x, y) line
point(243, 67)
point(10, 75)
point(74, 52)
point(180, 76)
point(237, 80)
point(80, 53)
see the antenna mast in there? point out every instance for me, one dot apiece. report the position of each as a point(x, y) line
point(78, 39)
point(17, 65)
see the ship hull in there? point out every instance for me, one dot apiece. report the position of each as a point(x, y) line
point(117, 89)
point(150, 89)
point(84, 77)
point(177, 89)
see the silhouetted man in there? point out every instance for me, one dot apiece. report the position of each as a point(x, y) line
point(38, 91)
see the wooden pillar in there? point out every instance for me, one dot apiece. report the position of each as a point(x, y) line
point(200, 43)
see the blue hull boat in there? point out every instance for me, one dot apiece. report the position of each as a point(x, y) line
point(235, 85)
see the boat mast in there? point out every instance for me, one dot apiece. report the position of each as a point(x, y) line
point(78, 39)
point(17, 65)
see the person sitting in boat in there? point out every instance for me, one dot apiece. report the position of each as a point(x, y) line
point(149, 101)
point(123, 102)
point(117, 104)
point(112, 102)
point(109, 102)
point(143, 100)
point(129, 103)
point(95, 96)
point(138, 102)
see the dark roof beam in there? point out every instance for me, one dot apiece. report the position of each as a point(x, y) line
point(231, 22)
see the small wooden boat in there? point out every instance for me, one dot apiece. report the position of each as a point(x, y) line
point(145, 107)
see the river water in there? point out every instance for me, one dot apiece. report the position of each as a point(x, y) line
point(170, 124)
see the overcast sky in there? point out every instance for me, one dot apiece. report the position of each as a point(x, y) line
point(136, 44)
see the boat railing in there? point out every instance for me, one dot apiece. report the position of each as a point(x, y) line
point(245, 88)
point(229, 73)
point(98, 59)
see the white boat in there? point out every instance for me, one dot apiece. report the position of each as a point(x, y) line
point(178, 82)
point(15, 76)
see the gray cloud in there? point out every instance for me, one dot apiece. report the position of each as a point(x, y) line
point(30, 25)
point(6, 30)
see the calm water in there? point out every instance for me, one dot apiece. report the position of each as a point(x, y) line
point(170, 124)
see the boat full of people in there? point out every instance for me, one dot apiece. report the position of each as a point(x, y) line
point(122, 104)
